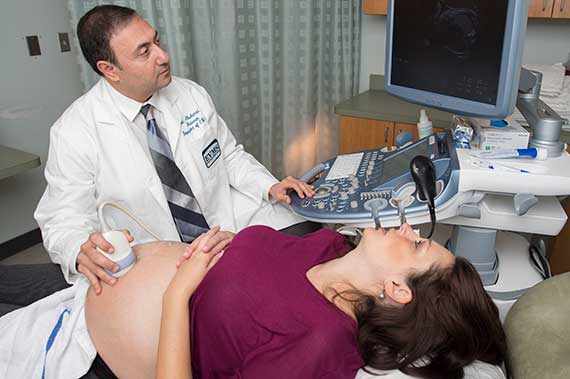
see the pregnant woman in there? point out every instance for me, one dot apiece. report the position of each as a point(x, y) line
point(279, 306)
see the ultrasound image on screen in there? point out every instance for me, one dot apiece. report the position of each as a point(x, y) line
point(450, 47)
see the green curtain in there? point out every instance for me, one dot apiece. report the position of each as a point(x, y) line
point(274, 68)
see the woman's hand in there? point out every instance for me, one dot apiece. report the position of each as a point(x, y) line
point(214, 244)
point(202, 254)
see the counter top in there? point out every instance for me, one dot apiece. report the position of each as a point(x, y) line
point(14, 161)
point(380, 105)
point(377, 104)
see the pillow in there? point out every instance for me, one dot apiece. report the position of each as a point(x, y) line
point(538, 330)
point(476, 370)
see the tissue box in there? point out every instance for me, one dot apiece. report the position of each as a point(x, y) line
point(489, 137)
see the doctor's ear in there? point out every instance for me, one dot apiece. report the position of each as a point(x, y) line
point(109, 70)
point(398, 291)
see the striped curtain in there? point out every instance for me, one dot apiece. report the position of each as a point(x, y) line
point(274, 68)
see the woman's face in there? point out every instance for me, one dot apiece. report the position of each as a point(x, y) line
point(401, 251)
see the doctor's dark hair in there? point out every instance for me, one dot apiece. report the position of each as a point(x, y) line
point(95, 29)
point(450, 322)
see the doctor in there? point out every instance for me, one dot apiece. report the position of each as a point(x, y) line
point(152, 143)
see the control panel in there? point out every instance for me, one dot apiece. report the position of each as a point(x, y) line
point(348, 187)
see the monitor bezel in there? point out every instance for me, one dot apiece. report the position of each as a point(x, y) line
point(509, 75)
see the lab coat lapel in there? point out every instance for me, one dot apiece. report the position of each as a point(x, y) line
point(104, 114)
point(148, 171)
point(167, 102)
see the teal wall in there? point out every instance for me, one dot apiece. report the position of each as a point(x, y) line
point(44, 85)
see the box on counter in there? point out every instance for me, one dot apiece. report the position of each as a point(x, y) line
point(489, 137)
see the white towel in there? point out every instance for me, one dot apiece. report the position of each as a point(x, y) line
point(24, 335)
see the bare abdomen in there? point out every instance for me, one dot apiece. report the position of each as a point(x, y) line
point(124, 321)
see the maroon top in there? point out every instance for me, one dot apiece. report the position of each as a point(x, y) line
point(256, 315)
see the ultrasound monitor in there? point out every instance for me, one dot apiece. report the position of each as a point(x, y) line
point(461, 56)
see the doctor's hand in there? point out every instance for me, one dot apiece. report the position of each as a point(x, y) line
point(279, 191)
point(202, 254)
point(213, 242)
point(92, 264)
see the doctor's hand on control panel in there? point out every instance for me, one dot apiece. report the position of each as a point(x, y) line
point(280, 191)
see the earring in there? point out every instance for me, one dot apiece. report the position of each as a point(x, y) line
point(382, 295)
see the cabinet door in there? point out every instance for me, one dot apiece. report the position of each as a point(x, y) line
point(540, 8)
point(375, 7)
point(561, 9)
point(357, 134)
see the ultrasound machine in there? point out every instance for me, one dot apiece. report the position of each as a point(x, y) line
point(463, 57)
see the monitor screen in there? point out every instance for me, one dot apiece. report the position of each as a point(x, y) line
point(461, 56)
point(397, 165)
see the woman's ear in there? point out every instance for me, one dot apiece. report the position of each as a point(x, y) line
point(398, 291)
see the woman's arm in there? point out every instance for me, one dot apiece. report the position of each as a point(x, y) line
point(174, 341)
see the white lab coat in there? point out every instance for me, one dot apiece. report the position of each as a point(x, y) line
point(94, 157)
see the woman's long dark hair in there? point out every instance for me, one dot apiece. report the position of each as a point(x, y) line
point(450, 322)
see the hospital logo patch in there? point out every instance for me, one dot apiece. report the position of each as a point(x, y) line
point(211, 153)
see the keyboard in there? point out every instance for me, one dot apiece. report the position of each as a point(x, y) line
point(345, 166)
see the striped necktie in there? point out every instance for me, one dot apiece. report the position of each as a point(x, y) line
point(185, 209)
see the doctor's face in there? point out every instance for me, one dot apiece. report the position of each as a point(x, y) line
point(401, 251)
point(143, 66)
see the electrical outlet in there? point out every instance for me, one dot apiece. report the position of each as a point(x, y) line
point(64, 42)
point(33, 45)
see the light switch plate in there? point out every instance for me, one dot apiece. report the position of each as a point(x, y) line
point(64, 42)
point(33, 45)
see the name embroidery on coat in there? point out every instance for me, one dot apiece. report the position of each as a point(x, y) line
point(192, 121)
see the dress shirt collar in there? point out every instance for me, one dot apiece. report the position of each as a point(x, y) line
point(128, 107)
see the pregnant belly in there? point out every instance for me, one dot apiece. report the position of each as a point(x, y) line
point(124, 321)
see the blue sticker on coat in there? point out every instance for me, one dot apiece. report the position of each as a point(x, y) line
point(211, 153)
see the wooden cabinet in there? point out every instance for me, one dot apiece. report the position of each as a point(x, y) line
point(537, 8)
point(561, 9)
point(549, 9)
point(357, 134)
point(540, 8)
point(375, 7)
